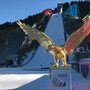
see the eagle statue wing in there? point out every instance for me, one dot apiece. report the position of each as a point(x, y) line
point(77, 37)
point(37, 35)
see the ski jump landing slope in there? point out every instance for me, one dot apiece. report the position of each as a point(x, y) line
point(54, 30)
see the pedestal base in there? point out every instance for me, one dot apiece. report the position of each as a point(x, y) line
point(59, 78)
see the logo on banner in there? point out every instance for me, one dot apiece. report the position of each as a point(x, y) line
point(59, 80)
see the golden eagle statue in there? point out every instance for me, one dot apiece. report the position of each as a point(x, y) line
point(58, 51)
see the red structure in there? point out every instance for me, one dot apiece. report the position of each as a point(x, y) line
point(47, 11)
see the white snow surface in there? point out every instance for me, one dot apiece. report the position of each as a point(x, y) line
point(18, 79)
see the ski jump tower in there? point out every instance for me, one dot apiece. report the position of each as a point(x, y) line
point(60, 76)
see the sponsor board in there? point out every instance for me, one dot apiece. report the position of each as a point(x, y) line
point(60, 79)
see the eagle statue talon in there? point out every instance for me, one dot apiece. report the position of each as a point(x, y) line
point(65, 65)
point(54, 65)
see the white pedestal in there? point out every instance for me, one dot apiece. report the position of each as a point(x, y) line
point(59, 78)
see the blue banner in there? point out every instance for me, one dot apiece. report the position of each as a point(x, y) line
point(72, 10)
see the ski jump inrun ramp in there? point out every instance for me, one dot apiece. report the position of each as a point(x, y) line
point(55, 30)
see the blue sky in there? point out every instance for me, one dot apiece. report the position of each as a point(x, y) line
point(12, 10)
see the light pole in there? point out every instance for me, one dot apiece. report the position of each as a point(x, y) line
point(6, 46)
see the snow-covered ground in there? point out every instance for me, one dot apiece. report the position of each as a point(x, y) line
point(18, 79)
point(23, 80)
point(30, 76)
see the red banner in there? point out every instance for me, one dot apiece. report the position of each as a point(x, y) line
point(87, 62)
